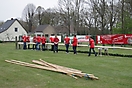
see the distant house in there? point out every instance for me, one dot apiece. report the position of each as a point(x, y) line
point(64, 30)
point(46, 30)
point(11, 29)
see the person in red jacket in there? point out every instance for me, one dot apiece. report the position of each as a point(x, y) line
point(52, 41)
point(24, 38)
point(92, 45)
point(56, 41)
point(34, 41)
point(38, 40)
point(28, 40)
point(67, 42)
point(43, 41)
point(74, 44)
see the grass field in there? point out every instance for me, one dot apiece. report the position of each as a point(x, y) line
point(113, 72)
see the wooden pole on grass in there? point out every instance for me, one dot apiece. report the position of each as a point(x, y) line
point(16, 42)
point(56, 68)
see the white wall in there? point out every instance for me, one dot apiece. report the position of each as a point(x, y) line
point(10, 34)
point(38, 33)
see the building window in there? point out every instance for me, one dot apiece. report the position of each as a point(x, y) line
point(16, 29)
point(46, 35)
point(52, 34)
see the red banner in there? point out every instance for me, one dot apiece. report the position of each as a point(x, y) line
point(128, 39)
point(114, 39)
point(118, 39)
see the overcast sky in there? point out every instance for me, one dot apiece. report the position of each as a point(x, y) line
point(14, 8)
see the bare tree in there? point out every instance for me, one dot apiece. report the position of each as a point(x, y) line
point(100, 7)
point(70, 10)
point(48, 17)
point(88, 21)
point(78, 8)
point(91, 17)
point(122, 15)
point(40, 14)
point(129, 5)
point(128, 16)
point(28, 15)
point(125, 14)
point(112, 15)
point(65, 8)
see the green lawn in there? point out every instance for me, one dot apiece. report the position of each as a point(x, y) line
point(113, 72)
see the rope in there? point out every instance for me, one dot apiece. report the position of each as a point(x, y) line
point(86, 76)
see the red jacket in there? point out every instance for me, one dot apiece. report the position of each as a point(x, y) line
point(51, 39)
point(38, 38)
point(34, 39)
point(91, 43)
point(43, 40)
point(24, 38)
point(74, 42)
point(28, 39)
point(67, 40)
point(56, 40)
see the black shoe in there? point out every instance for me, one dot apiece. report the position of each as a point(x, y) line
point(95, 55)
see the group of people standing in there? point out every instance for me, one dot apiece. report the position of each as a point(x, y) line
point(54, 47)
point(75, 43)
point(37, 40)
point(55, 42)
point(25, 39)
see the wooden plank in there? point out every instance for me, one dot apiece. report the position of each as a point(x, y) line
point(60, 67)
point(35, 66)
point(31, 65)
point(71, 72)
point(68, 72)
point(80, 45)
point(43, 64)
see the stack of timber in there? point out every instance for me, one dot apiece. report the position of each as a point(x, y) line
point(41, 64)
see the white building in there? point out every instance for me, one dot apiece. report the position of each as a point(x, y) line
point(11, 29)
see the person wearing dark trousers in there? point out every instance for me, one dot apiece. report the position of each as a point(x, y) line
point(92, 45)
point(43, 41)
point(56, 41)
point(55, 48)
point(52, 41)
point(38, 38)
point(67, 42)
point(28, 40)
point(24, 38)
point(34, 41)
point(74, 44)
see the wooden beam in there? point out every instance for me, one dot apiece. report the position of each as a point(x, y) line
point(56, 68)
